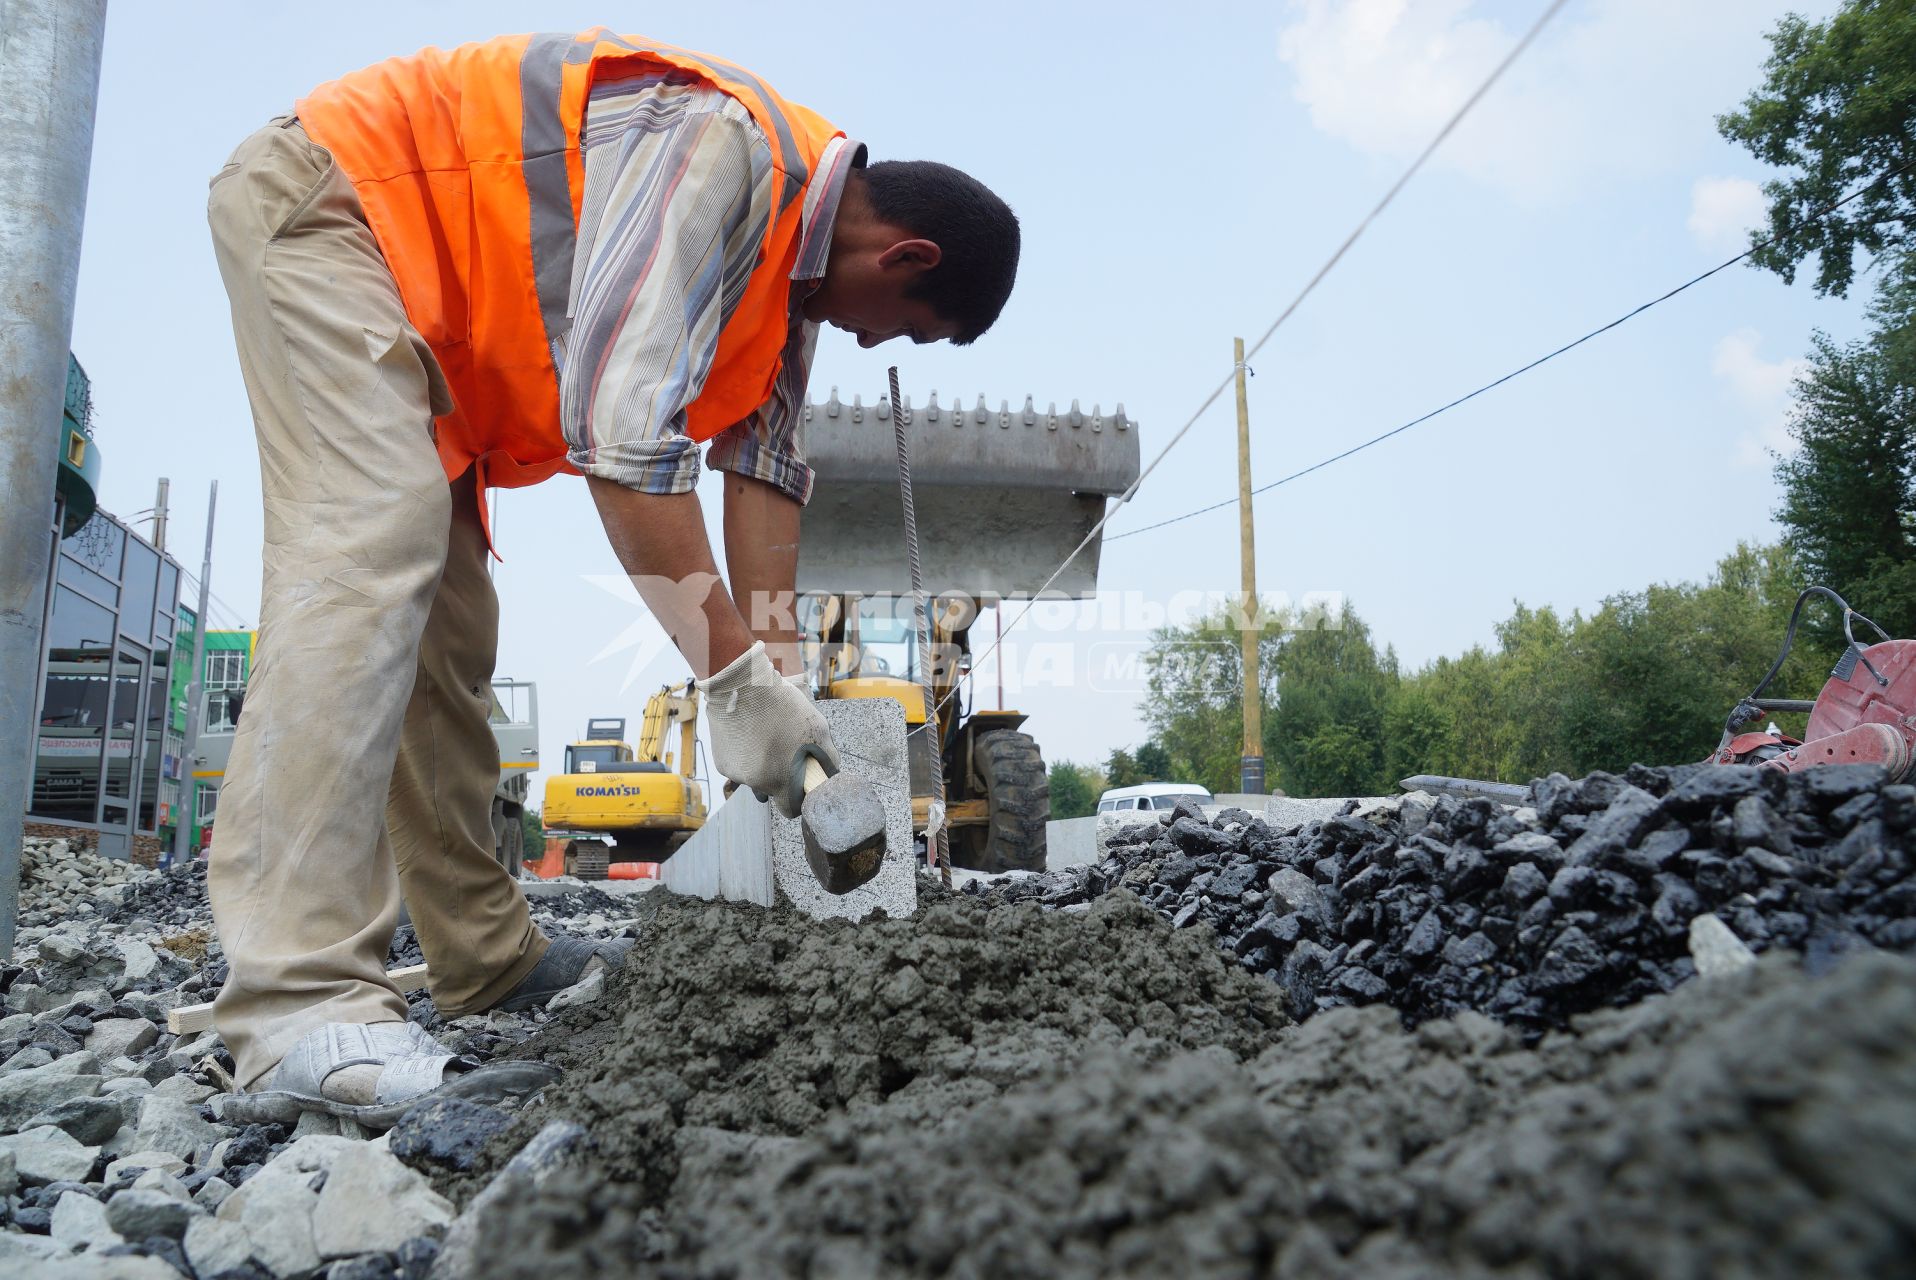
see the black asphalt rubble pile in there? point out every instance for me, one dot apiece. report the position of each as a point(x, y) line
point(1574, 1063)
point(114, 1160)
point(1590, 898)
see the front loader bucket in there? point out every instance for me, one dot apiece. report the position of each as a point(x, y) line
point(1002, 496)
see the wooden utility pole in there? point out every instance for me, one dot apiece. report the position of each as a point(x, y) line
point(1251, 766)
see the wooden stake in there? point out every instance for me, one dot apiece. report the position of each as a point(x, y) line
point(193, 1018)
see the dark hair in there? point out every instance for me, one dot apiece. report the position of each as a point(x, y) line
point(975, 231)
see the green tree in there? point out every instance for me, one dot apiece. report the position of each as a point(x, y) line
point(1849, 491)
point(1836, 109)
point(1193, 699)
point(1419, 729)
point(1326, 734)
point(1121, 769)
point(535, 830)
point(1658, 670)
point(1154, 763)
point(1074, 789)
point(1649, 677)
point(1453, 718)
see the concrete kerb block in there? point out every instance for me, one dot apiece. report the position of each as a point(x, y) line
point(1286, 813)
point(1071, 842)
point(1251, 803)
point(1110, 824)
point(730, 857)
point(748, 852)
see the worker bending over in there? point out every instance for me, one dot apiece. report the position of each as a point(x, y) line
point(482, 267)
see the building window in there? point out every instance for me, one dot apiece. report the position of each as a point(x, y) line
point(223, 710)
point(226, 669)
point(206, 800)
point(73, 710)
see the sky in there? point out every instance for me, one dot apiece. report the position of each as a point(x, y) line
point(1179, 172)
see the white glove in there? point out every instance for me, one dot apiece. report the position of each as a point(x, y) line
point(759, 722)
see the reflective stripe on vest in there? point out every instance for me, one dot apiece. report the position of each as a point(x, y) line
point(542, 135)
point(788, 160)
point(554, 230)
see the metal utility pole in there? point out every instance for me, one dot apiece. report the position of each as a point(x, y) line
point(195, 696)
point(50, 65)
point(159, 517)
point(1251, 766)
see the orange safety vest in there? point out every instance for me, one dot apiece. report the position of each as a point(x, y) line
point(467, 162)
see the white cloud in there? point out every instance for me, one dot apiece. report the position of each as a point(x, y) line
point(1594, 99)
point(1724, 210)
point(1762, 387)
point(1379, 74)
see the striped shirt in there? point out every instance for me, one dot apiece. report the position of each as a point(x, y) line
point(678, 196)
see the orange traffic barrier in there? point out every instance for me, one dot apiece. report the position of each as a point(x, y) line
point(632, 871)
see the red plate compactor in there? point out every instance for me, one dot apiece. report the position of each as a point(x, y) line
point(1866, 713)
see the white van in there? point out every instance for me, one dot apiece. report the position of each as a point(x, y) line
point(1151, 795)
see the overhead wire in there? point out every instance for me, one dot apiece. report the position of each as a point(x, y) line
point(1390, 195)
point(218, 610)
point(217, 614)
point(1627, 316)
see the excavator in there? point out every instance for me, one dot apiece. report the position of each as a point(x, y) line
point(1003, 497)
point(638, 804)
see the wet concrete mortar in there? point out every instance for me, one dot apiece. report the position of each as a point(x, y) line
point(1657, 1023)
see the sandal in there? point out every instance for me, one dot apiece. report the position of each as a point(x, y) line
point(413, 1068)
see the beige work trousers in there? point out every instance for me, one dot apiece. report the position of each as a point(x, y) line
point(378, 632)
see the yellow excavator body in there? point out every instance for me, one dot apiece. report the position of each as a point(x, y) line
point(617, 799)
point(643, 802)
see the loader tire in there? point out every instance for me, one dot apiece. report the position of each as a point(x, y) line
point(1018, 797)
point(500, 822)
point(512, 845)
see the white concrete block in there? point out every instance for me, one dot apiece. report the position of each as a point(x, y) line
point(1070, 842)
point(1288, 812)
point(748, 852)
point(1110, 824)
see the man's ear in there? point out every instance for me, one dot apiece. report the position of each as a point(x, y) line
point(914, 255)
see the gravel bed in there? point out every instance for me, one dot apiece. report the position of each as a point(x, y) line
point(113, 1156)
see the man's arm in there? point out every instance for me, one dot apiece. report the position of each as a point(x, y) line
point(766, 487)
point(660, 540)
point(761, 549)
point(669, 229)
point(674, 205)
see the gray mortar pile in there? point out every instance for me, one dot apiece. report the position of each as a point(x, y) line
point(1013, 1092)
point(1585, 900)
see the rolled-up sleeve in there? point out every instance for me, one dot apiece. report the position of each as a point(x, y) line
point(769, 445)
point(677, 197)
